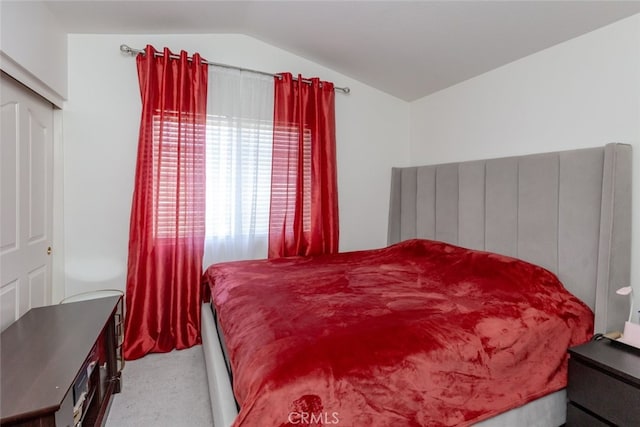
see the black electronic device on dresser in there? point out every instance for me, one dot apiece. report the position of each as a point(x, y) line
point(59, 365)
point(604, 385)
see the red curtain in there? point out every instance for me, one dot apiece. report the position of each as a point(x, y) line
point(304, 192)
point(168, 212)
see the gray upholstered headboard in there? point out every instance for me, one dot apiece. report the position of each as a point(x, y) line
point(567, 211)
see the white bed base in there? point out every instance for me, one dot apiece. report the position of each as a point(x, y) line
point(547, 411)
point(223, 404)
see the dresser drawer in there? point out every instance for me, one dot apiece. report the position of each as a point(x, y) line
point(576, 417)
point(607, 396)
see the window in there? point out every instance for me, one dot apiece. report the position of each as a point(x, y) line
point(238, 176)
point(285, 139)
point(239, 168)
point(172, 164)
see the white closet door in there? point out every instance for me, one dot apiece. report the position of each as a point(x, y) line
point(26, 186)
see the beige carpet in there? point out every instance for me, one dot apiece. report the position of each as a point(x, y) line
point(159, 390)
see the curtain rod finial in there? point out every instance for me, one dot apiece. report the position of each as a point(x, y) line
point(126, 49)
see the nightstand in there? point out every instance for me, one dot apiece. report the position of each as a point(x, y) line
point(604, 385)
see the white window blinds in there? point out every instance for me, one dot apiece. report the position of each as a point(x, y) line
point(172, 181)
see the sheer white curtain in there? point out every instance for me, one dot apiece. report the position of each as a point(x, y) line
point(239, 144)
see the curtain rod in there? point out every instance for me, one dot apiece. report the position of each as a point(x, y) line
point(130, 51)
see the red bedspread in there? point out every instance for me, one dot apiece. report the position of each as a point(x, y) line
point(421, 333)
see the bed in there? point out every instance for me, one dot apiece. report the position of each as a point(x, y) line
point(566, 213)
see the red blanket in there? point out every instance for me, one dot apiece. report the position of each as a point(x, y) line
point(421, 333)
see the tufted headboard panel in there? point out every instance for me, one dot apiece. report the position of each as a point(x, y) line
point(567, 211)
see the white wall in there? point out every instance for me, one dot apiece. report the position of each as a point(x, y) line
point(101, 120)
point(581, 93)
point(33, 48)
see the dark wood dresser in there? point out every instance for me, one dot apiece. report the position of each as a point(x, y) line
point(58, 365)
point(604, 385)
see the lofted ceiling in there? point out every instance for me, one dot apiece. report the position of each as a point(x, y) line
point(408, 49)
